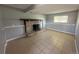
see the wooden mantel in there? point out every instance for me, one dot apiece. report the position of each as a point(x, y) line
point(25, 20)
point(31, 19)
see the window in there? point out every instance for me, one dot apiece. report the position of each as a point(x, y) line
point(60, 19)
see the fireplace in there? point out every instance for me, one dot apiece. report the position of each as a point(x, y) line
point(36, 27)
point(31, 25)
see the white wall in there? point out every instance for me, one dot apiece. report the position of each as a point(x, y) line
point(13, 27)
point(12, 23)
point(35, 16)
point(68, 28)
point(77, 33)
point(0, 17)
point(2, 34)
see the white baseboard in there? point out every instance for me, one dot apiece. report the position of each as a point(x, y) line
point(76, 46)
point(61, 31)
point(15, 38)
point(5, 47)
point(19, 36)
point(11, 40)
point(68, 33)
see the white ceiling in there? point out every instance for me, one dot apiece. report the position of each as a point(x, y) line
point(54, 8)
point(20, 6)
point(46, 8)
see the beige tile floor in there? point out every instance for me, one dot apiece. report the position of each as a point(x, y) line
point(43, 42)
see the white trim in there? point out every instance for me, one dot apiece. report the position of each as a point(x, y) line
point(68, 33)
point(5, 45)
point(11, 40)
point(3, 28)
point(5, 42)
point(61, 31)
point(13, 26)
point(61, 24)
point(15, 38)
point(76, 46)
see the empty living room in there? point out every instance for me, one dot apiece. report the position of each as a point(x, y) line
point(39, 28)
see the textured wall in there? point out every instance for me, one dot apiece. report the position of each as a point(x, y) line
point(69, 27)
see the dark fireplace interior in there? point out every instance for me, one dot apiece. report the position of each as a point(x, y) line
point(36, 27)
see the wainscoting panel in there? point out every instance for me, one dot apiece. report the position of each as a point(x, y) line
point(2, 40)
point(14, 31)
point(69, 28)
